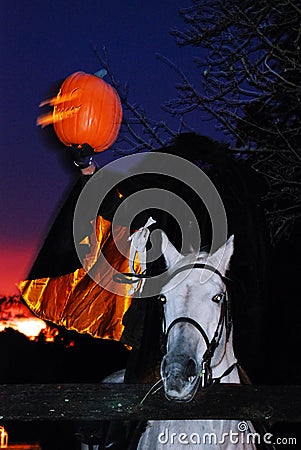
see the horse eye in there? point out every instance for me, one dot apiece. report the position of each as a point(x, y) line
point(218, 298)
point(162, 298)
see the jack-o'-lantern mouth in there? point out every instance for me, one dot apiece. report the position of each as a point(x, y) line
point(60, 112)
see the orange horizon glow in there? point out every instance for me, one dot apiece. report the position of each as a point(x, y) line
point(15, 263)
point(29, 326)
point(15, 314)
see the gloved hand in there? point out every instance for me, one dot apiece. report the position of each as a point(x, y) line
point(82, 155)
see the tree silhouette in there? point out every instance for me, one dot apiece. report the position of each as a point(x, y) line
point(250, 84)
point(249, 71)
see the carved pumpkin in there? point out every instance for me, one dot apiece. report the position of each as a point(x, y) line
point(86, 110)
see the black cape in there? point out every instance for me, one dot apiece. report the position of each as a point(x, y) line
point(137, 322)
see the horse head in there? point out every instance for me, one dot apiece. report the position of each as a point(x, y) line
point(197, 332)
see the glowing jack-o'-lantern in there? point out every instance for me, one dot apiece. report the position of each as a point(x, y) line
point(86, 110)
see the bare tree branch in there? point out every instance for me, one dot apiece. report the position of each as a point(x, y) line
point(138, 132)
point(249, 84)
point(250, 72)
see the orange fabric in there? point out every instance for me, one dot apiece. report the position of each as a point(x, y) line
point(75, 300)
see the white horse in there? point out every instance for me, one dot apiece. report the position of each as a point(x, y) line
point(199, 350)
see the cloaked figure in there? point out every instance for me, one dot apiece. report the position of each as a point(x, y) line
point(60, 290)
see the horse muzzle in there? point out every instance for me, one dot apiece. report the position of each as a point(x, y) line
point(180, 378)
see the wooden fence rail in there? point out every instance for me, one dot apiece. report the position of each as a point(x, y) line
point(80, 402)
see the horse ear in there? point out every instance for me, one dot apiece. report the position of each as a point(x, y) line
point(221, 258)
point(170, 253)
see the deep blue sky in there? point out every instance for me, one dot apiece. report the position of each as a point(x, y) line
point(42, 43)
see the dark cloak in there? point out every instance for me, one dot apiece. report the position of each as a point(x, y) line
point(240, 189)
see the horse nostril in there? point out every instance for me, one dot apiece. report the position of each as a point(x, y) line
point(191, 370)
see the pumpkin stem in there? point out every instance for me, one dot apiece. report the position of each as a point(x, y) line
point(101, 73)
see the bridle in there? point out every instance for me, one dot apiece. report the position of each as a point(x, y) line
point(225, 320)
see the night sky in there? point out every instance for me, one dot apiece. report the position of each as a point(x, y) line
point(42, 43)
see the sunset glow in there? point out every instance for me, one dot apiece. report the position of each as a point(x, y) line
point(15, 314)
point(31, 326)
point(15, 263)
